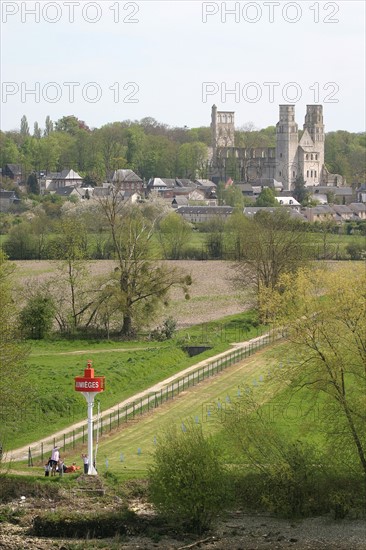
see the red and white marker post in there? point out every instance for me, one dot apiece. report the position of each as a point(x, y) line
point(89, 385)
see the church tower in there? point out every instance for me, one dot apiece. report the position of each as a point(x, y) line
point(287, 141)
point(222, 128)
point(315, 127)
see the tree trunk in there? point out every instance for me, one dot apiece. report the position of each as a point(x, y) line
point(127, 325)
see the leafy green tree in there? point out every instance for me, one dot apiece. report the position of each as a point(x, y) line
point(267, 246)
point(173, 234)
point(70, 292)
point(187, 480)
point(192, 159)
point(20, 244)
point(36, 318)
point(14, 390)
point(135, 143)
point(9, 152)
point(138, 284)
point(267, 197)
point(70, 124)
point(214, 238)
point(37, 131)
point(230, 195)
point(24, 127)
point(289, 483)
point(329, 337)
point(32, 184)
point(301, 194)
point(48, 126)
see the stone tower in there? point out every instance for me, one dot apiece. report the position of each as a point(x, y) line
point(314, 160)
point(287, 141)
point(222, 128)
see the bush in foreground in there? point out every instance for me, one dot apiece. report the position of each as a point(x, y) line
point(187, 482)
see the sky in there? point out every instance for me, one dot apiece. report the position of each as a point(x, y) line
point(108, 61)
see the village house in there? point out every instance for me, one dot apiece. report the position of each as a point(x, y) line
point(359, 210)
point(199, 214)
point(56, 180)
point(7, 199)
point(127, 180)
point(289, 201)
point(12, 171)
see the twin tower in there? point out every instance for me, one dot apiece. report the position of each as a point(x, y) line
point(292, 156)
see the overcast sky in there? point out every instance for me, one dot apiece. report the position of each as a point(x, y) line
point(171, 60)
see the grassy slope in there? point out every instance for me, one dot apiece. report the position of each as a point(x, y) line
point(130, 368)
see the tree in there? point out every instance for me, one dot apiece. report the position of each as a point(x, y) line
point(267, 197)
point(37, 131)
point(13, 353)
point(24, 127)
point(9, 152)
point(173, 234)
point(32, 184)
point(36, 318)
point(48, 126)
point(138, 284)
point(192, 158)
point(20, 243)
point(329, 336)
point(301, 194)
point(71, 294)
point(70, 124)
point(214, 240)
point(267, 246)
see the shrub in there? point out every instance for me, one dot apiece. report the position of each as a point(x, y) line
point(166, 331)
point(291, 485)
point(187, 482)
point(36, 317)
point(356, 251)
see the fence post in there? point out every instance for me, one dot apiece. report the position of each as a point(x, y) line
point(42, 451)
point(30, 460)
point(83, 433)
point(73, 439)
point(64, 442)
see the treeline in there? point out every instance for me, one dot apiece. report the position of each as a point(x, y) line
point(150, 148)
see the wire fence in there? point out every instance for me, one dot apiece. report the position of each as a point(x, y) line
point(149, 401)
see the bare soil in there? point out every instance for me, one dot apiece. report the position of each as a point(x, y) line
point(238, 531)
point(213, 294)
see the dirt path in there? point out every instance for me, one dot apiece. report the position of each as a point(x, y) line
point(22, 453)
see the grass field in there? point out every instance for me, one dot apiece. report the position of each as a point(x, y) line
point(127, 452)
point(52, 403)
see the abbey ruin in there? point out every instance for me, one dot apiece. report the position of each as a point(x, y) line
point(291, 158)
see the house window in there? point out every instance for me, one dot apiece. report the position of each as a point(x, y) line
point(307, 157)
point(280, 173)
point(316, 157)
point(293, 174)
point(315, 173)
point(280, 155)
point(307, 173)
point(311, 174)
point(311, 157)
